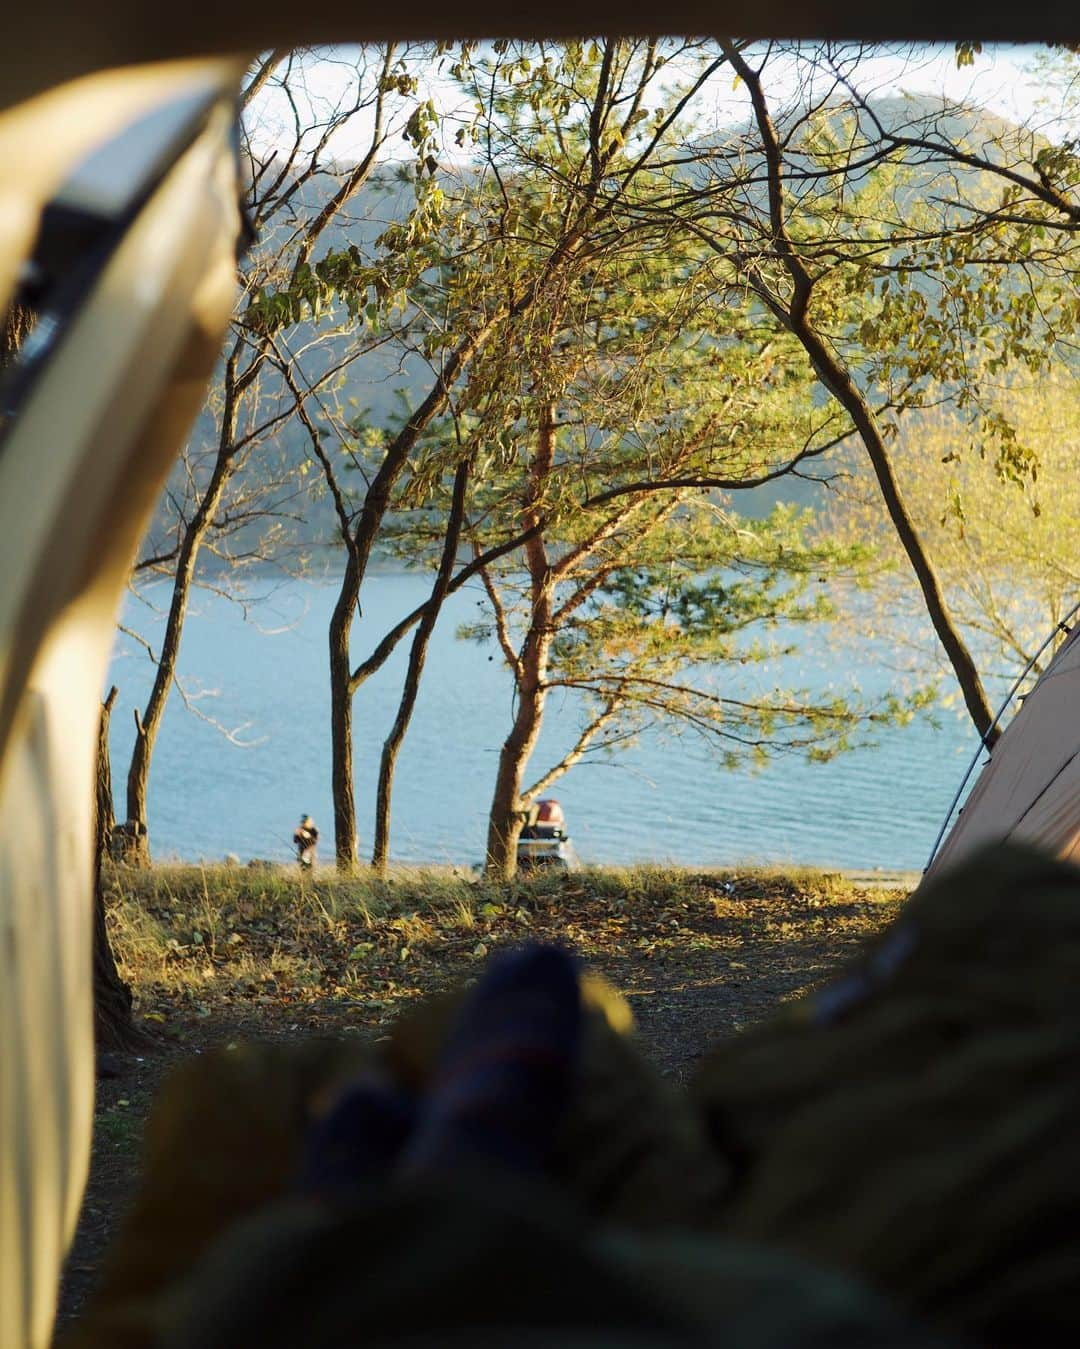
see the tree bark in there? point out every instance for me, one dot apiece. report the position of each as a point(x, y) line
point(359, 547)
point(148, 723)
point(840, 384)
point(14, 330)
point(114, 1027)
point(105, 819)
point(417, 657)
point(341, 709)
point(507, 808)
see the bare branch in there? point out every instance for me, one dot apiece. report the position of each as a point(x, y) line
point(575, 755)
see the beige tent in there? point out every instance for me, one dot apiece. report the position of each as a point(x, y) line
point(1029, 792)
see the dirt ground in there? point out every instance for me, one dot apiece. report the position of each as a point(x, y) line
point(698, 959)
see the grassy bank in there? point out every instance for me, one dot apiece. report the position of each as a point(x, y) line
point(197, 940)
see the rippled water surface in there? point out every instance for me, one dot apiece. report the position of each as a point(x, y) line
point(664, 799)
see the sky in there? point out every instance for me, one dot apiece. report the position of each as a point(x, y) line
point(1004, 79)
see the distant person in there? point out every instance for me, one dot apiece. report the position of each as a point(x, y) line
point(306, 838)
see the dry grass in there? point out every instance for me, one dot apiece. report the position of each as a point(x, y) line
point(207, 939)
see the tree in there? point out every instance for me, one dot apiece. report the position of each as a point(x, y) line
point(816, 228)
point(477, 284)
point(626, 393)
point(824, 213)
point(663, 629)
point(380, 855)
point(114, 1027)
point(235, 490)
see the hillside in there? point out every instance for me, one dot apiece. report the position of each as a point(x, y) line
point(382, 385)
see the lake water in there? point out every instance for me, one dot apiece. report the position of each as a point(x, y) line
point(664, 799)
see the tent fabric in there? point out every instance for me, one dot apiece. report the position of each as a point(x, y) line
point(915, 1122)
point(491, 1262)
point(80, 465)
point(1029, 792)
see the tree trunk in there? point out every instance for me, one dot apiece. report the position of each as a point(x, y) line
point(341, 744)
point(14, 330)
point(507, 809)
point(956, 649)
point(114, 1028)
point(359, 548)
point(147, 725)
point(133, 836)
point(105, 819)
point(417, 657)
point(836, 378)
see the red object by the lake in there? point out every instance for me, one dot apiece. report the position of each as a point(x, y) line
point(549, 811)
